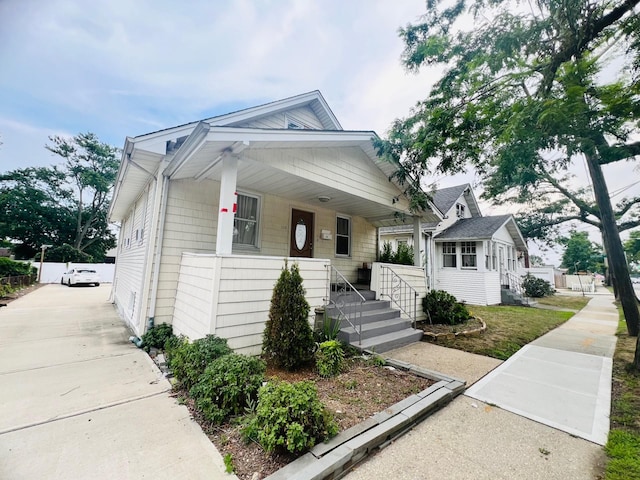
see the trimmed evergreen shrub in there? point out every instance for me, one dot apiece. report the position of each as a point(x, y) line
point(290, 417)
point(288, 337)
point(387, 253)
point(228, 385)
point(329, 358)
point(189, 360)
point(157, 336)
point(402, 256)
point(444, 308)
point(536, 287)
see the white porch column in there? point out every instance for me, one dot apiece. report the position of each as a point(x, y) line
point(224, 237)
point(418, 242)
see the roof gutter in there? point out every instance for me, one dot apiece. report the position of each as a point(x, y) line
point(191, 145)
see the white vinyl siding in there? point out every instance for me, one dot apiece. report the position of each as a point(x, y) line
point(230, 296)
point(303, 116)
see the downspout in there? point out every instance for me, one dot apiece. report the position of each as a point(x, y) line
point(156, 263)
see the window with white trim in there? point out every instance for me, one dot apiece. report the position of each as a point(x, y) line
point(494, 255)
point(459, 210)
point(468, 254)
point(343, 236)
point(246, 221)
point(449, 255)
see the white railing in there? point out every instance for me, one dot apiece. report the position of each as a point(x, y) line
point(399, 292)
point(345, 300)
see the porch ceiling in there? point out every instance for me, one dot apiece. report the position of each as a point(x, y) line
point(283, 174)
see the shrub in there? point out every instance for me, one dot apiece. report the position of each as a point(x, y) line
point(11, 268)
point(402, 256)
point(288, 338)
point(228, 385)
point(290, 417)
point(329, 358)
point(329, 331)
point(442, 307)
point(157, 336)
point(189, 360)
point(536, 287)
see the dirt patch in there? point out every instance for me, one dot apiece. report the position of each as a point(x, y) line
point(353, 396)
point(470, 327)
point(20, 293)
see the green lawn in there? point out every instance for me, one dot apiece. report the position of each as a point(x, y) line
point(509, 328)
point(564, 301)
point(623, 446)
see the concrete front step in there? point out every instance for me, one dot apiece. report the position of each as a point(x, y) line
point(389, 341)
point(371, 316)
point(374, 329)
point(366, 306)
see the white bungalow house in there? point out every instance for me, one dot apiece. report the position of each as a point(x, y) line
point(209, 210)
point(479, 260)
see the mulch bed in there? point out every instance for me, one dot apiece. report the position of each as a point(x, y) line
point(353, 396)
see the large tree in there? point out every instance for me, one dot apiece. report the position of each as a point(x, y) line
point(524, 95)
point(581, 254)
point(65, 204)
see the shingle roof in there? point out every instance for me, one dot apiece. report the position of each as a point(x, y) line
point(445, 198)
point(473, 228)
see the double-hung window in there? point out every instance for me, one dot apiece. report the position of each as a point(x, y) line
point(468, 254)
point(245, 223)
point(343, 236)
point(449, 254)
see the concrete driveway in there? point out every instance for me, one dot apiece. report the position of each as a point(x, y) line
point(77, 400)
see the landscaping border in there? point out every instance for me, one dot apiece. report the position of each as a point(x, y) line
point(336, 457)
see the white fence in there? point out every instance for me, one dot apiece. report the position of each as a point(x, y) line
point(52, 272)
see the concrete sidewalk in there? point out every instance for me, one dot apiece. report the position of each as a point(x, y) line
point(475, 439)
point(77, 400)
point(562, 379)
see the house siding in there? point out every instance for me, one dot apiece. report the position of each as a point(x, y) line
point(237, 294)
point(191, 226)
point(302, 115)
point(132, 250)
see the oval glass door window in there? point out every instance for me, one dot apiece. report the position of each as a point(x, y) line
point(301, 235)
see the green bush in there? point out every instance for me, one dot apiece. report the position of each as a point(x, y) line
point(402, 256)
point(442, 307)
point(288, 338)
point(329, 358)
point(189, 360)
point(157, 336)
point(11, 268)
point(290, 417)
point(228, 385)
point(536, 287)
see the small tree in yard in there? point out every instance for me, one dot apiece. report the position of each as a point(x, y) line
point(288, 338)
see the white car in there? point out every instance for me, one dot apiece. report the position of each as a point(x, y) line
point(80, 276)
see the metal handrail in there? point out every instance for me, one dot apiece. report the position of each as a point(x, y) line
point(399, 292)
point(514, 283)
point(344, 297)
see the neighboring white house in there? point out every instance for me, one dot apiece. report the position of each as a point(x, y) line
point(209, 211)
point(470, 256)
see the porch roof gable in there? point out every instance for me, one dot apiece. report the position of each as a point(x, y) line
point(482, 228)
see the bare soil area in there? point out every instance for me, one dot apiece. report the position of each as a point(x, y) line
point(20, 293)
point(353, 396)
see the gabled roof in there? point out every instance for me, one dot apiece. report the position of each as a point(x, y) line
point(482, 228)
point(445, 198)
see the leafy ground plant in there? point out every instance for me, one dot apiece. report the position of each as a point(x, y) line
point(442, 307)
point(290, 417)
point(329, 358)
point(228, 385)
point(157, 336)
point(189, 360)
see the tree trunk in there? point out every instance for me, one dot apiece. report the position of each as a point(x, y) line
point(613, 245)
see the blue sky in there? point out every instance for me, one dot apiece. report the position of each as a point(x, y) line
point(123, 68)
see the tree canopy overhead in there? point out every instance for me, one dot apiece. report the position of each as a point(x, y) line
point(526, 91)
point(64, 204)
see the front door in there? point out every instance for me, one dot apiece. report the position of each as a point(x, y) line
point(301, 244)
